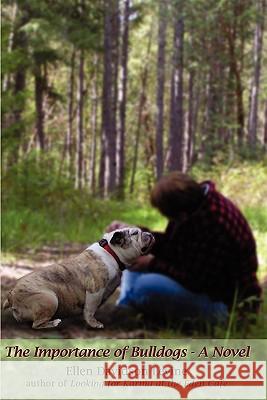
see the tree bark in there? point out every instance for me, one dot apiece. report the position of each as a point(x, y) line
point(80, 126)
point(176, 135)
point(160, 87)
point(102, 162)
point(196, 107)
point(69, 134)
point(17, 42)
point(19, 128)
point(107, 178)
point(115, 37)
point(39, 98)
point(265, 127)
point(94, 113)
point(141, 104)
point(190, 120)
point(123, 99)
point(11, 42)
point(255, 83)
point(235, 71)
point(207, 114)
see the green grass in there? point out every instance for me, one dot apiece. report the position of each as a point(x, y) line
point(23, 227)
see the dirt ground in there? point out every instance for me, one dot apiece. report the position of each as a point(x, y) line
point(29, 261)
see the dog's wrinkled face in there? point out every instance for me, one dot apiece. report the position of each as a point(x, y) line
point(130, 243)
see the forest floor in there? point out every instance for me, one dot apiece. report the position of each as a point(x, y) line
point(19, 264)
point(15, 266)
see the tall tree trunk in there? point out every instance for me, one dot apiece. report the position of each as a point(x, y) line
point(104, 115)
point(11, 42)
point(207, 115)
point(235, 71)
point(255, 84)
point(265, 127)
point(160, 86)
point(39, 107)
point(123, 99)
point(107, 179)
point(19, 128)
point(240, 109)
point(111, 182)
point(190, 120)
point(94, 113)
point(176, 136)
point(196, 107)
point(80, 128)
point(102, 162)
point(238, 92)
point(229, 106)
point(48, 142)
point(69, 134)
point(141, 104)
point(17, 42)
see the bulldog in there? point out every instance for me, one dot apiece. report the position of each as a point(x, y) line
point(78, 284)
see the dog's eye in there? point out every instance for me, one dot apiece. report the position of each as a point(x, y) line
point(135, 233)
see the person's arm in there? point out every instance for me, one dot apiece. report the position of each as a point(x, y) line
point(150, 263)
point(161, 257)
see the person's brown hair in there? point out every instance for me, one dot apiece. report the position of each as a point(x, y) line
point(176, 193)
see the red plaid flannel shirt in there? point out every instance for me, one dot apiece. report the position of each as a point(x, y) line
point(212, 252)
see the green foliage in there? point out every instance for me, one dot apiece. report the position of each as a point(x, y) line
point(244, 182)
point(39, 207)
point(258, 218)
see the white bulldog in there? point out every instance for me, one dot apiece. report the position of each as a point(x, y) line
point(78, 284)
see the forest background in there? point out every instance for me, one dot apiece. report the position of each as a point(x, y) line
point(102, 97)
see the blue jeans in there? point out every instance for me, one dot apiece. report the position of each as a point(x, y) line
point(161, 297)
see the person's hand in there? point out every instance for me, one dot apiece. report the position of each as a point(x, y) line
point(116, 225)
point(141, 263)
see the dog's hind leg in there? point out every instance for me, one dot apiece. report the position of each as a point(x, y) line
point(45, 307)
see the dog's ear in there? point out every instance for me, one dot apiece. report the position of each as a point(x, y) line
point(117, 238)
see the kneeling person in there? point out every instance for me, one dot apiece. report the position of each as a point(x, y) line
point(202, 264)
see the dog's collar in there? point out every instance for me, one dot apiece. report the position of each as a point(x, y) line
point(104, 243)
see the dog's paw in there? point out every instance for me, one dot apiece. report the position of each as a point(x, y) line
point(97, 325)
point(45, 324)
point(56, 322)
point(93, 323)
